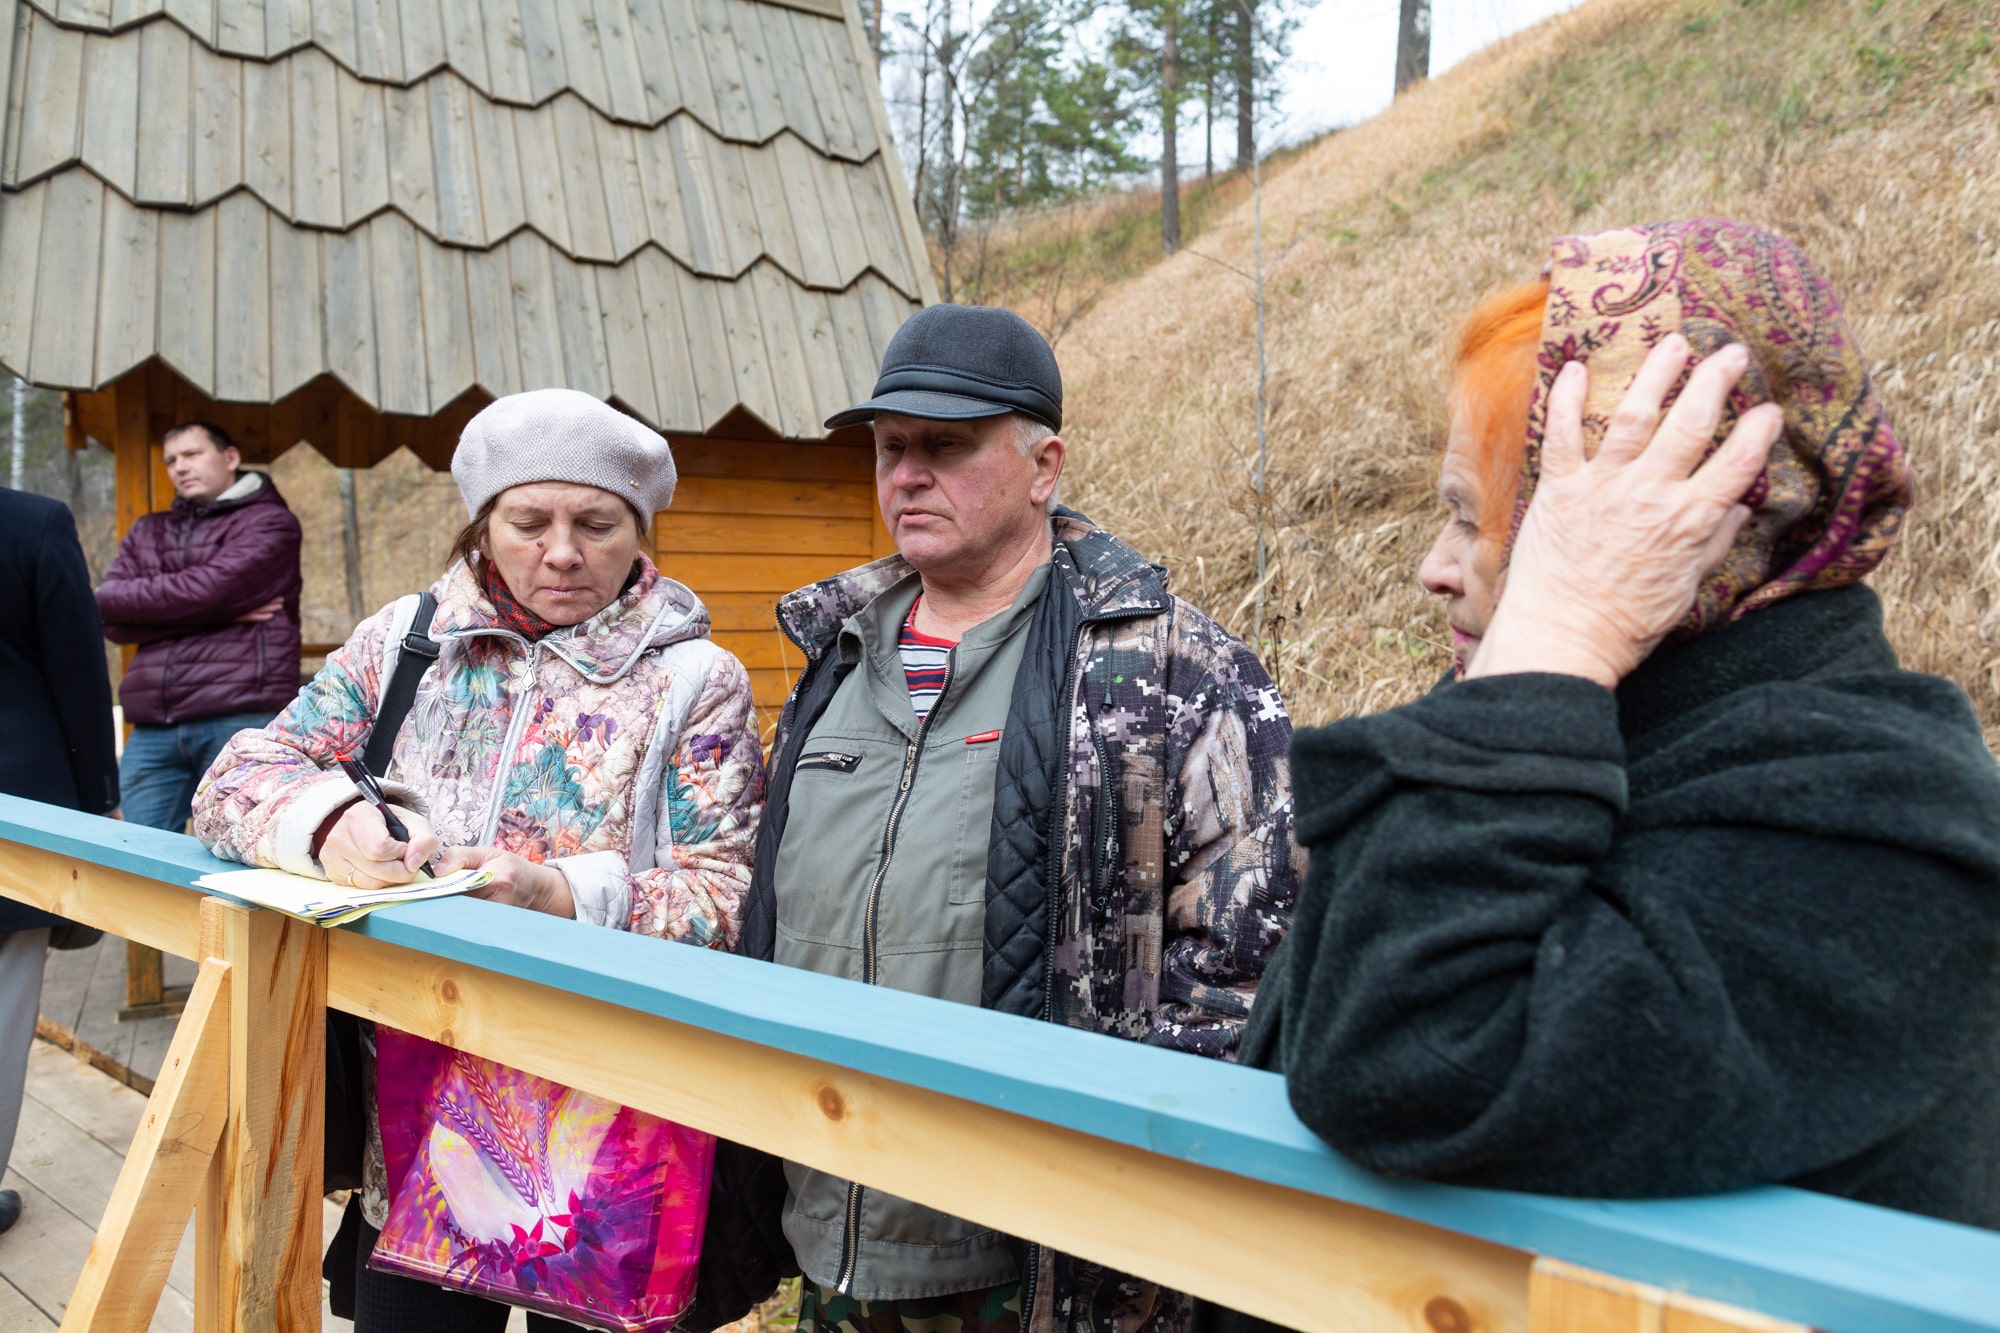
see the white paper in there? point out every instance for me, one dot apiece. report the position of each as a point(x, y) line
point(329, 904)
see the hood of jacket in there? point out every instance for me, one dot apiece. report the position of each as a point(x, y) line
point(1108, 578)
point(654, 612)
point(249, 488)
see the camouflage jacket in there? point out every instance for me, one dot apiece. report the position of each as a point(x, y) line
point(1164, 914)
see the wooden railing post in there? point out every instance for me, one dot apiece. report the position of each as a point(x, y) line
point(257, 1229)
point(170, 1158)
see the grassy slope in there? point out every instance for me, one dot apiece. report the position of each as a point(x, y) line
point(1868, 130)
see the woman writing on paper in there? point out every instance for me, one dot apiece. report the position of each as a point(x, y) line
point(579, 737)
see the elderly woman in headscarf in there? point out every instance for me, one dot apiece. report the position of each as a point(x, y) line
point(1681, 884)
point(580, 736)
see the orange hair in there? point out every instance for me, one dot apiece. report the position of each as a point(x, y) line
point(1493, 379)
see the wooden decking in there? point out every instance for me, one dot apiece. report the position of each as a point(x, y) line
point(82, 991)
point(75, 1124)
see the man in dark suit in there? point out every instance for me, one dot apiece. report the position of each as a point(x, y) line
point(55, 746)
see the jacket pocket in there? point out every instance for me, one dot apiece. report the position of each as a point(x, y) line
point(837, 761)
point(978, 773)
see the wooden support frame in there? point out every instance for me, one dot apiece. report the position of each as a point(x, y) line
point(237, 1120)
point(257, 1237)
point(167, 1165)
point(1063, 1187)
point(1182, 1169)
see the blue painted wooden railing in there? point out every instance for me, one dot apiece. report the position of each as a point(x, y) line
point(1786, 1253)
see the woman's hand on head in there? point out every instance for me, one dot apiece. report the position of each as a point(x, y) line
point(516, 880)
point(1614, 548)
point(359, 853)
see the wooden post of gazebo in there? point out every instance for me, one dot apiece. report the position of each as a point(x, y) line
point(353, 230)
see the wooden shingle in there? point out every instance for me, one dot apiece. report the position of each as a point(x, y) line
point(691, 207)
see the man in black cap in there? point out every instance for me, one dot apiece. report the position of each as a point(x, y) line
point(1018, 773)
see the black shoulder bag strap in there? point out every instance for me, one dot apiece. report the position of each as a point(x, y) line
point(346, 1109)
point(419, 650)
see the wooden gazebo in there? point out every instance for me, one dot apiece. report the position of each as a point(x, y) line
point(353, 222)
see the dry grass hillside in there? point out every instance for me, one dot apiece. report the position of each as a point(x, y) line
point(1868, 130)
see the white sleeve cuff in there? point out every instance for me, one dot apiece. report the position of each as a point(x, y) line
point(598, 883)
point(307, 805)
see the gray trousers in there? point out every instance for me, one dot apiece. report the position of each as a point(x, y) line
point(22, 953)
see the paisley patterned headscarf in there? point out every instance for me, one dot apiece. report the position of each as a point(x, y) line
point(1832, 499)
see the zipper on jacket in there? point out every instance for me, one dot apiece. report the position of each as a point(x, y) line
point(1058, 820)
point(516, 724)
point(1107, 826)
point(851, 1242)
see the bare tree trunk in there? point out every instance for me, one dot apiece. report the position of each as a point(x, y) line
point(875, 31)
point(922, 172)
point(17, 467)
point(1170, 126)
point(350, 545)
point(1246, 82)
point(954, 169)
point(1413, 44)
point(1208, 106)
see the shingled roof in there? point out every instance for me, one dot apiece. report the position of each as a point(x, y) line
point(689, 206)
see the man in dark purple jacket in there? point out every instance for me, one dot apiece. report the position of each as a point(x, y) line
point(209, 590)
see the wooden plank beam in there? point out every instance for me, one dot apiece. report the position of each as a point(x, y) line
point(1564, 1298)
point(166, 1166)
point(132, 471)
point(157, 915)
point(73, 433)
point(145, 982)
point(140, 486)
point(257, 1234)
point(1025, 1177)
point(97, 415)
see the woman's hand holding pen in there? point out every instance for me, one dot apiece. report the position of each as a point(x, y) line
point(359, 853)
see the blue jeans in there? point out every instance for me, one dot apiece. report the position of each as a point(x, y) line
point(162, 766)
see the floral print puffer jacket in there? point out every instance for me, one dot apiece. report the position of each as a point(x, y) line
point(623, 751)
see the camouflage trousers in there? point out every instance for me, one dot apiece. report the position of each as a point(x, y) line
point(994, 1310)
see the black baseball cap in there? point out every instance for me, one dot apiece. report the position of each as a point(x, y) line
point(961, 362)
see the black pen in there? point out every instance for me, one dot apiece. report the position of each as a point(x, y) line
point(371, 792)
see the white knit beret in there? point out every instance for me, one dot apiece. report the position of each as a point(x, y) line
point(562, 435)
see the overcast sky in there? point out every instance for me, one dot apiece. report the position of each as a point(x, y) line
point(1343, 65)
point(1342, 68)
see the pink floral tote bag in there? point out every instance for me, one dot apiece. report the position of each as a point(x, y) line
point(524, 1191)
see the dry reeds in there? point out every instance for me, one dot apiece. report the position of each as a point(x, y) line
point(1866, 131)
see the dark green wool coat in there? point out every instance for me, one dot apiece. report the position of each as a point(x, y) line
point(1738, 923)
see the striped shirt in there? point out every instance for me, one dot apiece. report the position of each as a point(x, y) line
point(924, 660)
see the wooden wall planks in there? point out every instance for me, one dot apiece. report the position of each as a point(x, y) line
point(751, 522)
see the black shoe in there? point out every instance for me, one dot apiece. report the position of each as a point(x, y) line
point(10, 1208)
